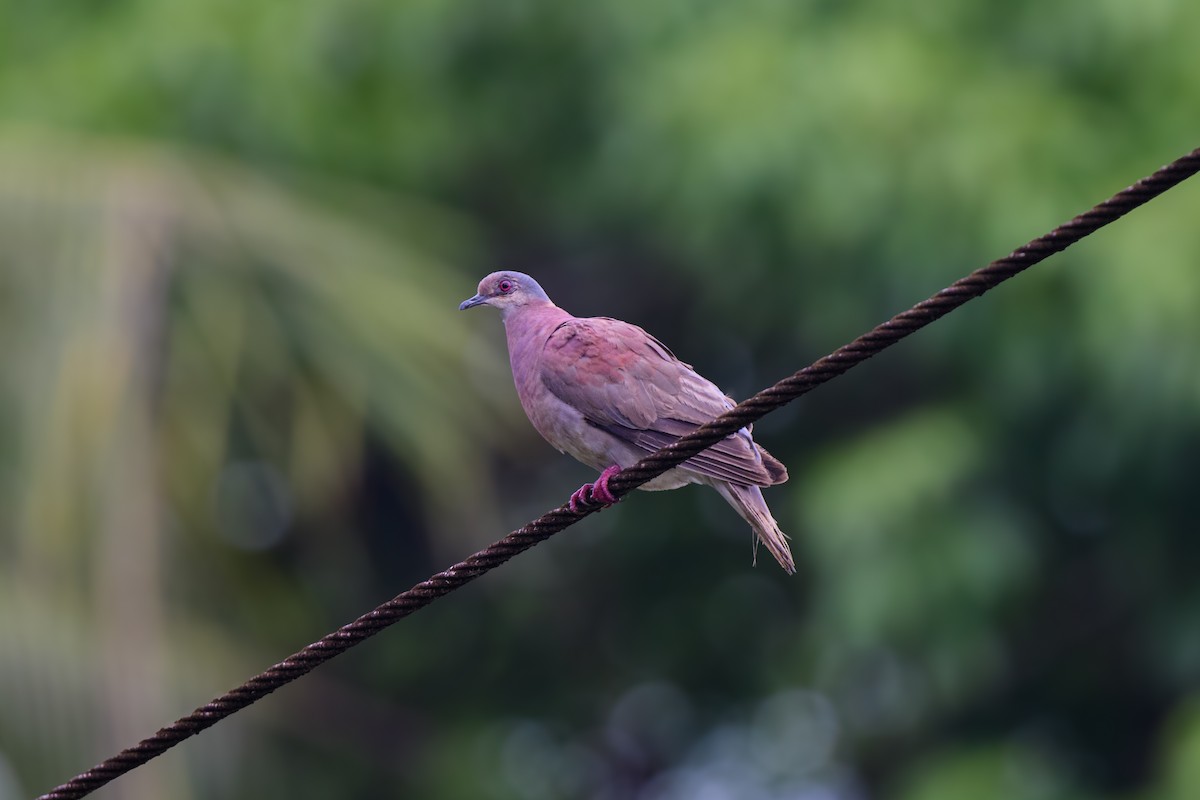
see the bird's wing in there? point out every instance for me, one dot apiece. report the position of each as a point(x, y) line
point(628, 383)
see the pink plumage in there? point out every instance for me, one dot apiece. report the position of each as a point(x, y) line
point(608, 393)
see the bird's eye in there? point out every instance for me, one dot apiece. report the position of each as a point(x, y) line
point(505, 286)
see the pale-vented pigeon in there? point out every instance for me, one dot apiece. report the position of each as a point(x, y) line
point(608, 393)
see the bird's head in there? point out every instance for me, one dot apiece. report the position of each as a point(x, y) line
point(507, 291)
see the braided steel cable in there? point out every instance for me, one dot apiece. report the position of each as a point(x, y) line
point(748, 411)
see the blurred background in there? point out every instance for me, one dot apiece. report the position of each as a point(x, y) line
point(238, 406)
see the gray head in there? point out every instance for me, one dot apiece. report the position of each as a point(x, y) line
point(507, 291)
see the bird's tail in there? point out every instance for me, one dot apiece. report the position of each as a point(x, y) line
point(748, 501)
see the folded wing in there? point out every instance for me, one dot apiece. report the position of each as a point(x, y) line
point(628, 383)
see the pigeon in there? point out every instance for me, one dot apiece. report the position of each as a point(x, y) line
point(608, 393)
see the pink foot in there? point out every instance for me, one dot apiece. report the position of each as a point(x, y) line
point(594, 495)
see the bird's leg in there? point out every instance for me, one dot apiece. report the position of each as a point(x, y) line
point(595, 495)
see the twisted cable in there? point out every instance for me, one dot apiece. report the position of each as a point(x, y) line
point(748, 411)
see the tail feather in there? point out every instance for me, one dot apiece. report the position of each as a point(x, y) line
point(748, 501)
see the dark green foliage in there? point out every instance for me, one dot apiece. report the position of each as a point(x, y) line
point(238, 407)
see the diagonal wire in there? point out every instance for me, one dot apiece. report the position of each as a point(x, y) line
point(545, 526)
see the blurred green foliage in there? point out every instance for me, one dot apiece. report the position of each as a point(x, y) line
point(238, 407)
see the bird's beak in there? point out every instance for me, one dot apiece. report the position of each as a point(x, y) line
point(471, 302)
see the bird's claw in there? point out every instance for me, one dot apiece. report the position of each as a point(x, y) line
point(592, 496)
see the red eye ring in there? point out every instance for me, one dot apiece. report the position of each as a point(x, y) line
point(505, 286)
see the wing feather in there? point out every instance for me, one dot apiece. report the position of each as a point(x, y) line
point(628, 383)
